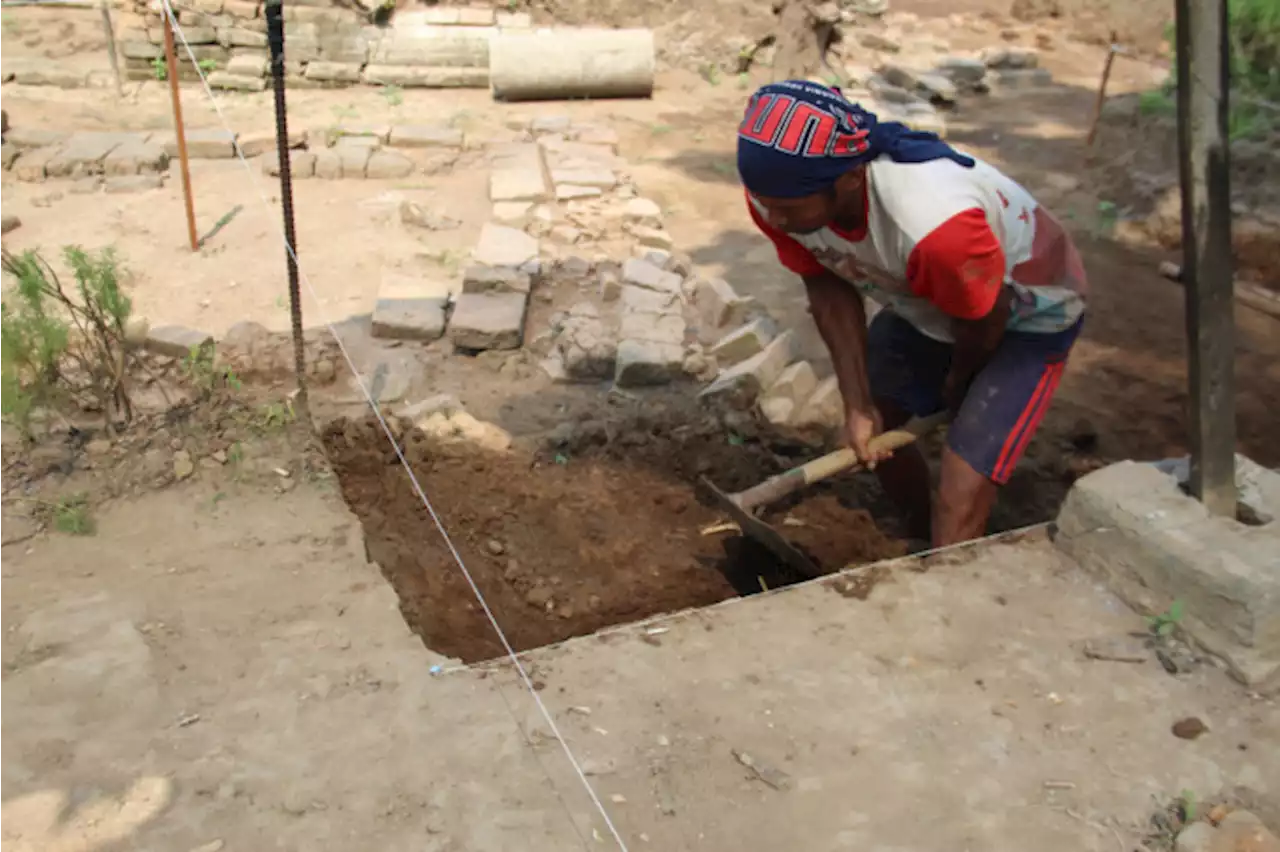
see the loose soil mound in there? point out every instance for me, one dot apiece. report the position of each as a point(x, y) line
point(564, 549)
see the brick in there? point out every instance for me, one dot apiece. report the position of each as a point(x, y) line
point(425, 136)
point(488, 321)
point(199, 35)
point(743, 382)
point(333, 72)
point(377, 131)
point(651, 237)
point(479, 278)
point(643, 363)
point(346, 49)
point(254, 144)
point(176, 341)
point(388, 165)
point(642, 273)
point(226, 81)
point(502, 246)
point(743, 342)
point(1132, 526)
point(410, 307)
point(643, 211)
point(134, 183)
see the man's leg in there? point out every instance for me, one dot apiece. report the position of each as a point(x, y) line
point(906, 370)
point(1001, 412)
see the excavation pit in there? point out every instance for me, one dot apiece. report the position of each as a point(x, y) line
point(606, 529)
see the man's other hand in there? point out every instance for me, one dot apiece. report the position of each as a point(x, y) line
point(860, 427)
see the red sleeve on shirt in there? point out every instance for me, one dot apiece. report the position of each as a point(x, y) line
point(791, 254)
point(959, 266)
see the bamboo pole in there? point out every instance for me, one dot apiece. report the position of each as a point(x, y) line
point(171, 64)
point(109, 31)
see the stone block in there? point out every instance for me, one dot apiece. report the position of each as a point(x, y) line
point(8, 155)
point(302, 164)
point(1131, 525)
point(426, 77)
point(9, 222)
point(1022, 78)
point(642, 273)
point(30, 167)
point(242, 37)
point(643, 300)
point(643, 363)
point(354, 159)
point(962, 70)
point(478, 278)
point(205, 144)
point(228, 82)
point(660, 328)
point(255, 144)
point(743, 383)
point(784, 400)
point(136, 156)
point(410, 307)
point(1007, 57)
point(345, 49)
point(247, 65)
point(652, 237)
point(425, 136)
point(388, 165)
point(134, 183)
point(475, 17)
point(138, 49)
point(514, 20)
point(601, 178)
point(26, 138)
point(484, 321)
point(176, 341)
point(718, 303)
point(199, 35)
point(381, 132)
point(824, 409)
point(328, 164)
point(502, 246)
point(743, 342)
point(49, 73)
point(514, 213)
point(83, 153)
point(569, 192)
point(642, 211)
point(526, 184)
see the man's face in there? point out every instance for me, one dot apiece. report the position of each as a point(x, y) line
point(840, 203)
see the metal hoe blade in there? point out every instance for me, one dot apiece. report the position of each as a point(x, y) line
point(760, 532)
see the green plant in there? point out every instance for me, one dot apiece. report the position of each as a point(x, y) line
point(275, 415)
point(71, 516)
point(159, 69)
point(61, 345)
point(207, 66)
point(393, 94)
point(201, 369)
point(1163, 624)
point(711, 73)
point(1188, 802)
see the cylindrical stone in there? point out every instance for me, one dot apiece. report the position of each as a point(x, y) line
point(583, 63)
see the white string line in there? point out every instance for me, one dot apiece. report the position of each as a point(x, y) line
point(417, 487)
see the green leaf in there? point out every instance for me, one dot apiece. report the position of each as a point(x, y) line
point(1175, 611)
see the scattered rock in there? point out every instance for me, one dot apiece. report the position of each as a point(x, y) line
point(461, 428)
point(743, 342)
point(176, 341)
point(742, 383)
point(647, 362)
point(495, 547)
point(9, 222)
point(642, 273)
point(500, 245)
point(1189, 728)
point(412, 213)
point(182, 465)
point(497, 279)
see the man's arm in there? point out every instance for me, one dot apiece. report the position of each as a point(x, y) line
point(841, 316)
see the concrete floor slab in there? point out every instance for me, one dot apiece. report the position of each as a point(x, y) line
point(252, 682)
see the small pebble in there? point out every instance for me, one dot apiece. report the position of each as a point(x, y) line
point(495, 547)
point(1189, 728)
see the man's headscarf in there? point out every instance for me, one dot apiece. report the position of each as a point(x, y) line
point(797, 137)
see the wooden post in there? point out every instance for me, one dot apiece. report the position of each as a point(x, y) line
point(1112, 50)
point(1203, 83)
point(109, 31)
point(171, 65)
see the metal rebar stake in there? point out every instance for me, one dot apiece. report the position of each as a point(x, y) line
point(275, 43)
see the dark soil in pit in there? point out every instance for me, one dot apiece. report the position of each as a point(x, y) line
point(606, 529)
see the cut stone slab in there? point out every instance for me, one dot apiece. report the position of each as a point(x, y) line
point(641, 273)
point(388, 165)
point(32, 137)
point(642, 363)
point(642, 210)
point(1009, 57)
point(302, 164)
point(135, 156)
point(353, 159)
point(743, 342)
point(742, 383)
point(658, 328)
point(328, 164)
point(569, 191)
point(333, 72)
point(208, 144)
point(642, 300)
point(410, 307)
point(512, 212)
point(795, 383)
point(229, 82)
point(484, 321)
point(425, 136)
point(30, 167)
point(518, 184)
point(502, 246)
point(176, 341)
point(83, 153)
point(495, 279)
point(601, 178)
point(1131, 525)
point(962, 70)
point(426, 77)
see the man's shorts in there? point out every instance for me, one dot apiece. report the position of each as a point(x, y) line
point(1004, 404)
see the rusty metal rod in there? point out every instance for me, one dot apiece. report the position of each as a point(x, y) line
point(171, 65)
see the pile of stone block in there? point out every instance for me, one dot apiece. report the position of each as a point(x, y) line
point(376, 152)
point(483, 311)
point(125, 161)
point(325, 45)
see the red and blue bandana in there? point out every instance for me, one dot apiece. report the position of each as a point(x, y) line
point(797, 137)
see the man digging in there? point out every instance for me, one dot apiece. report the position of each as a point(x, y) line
point(983, 292)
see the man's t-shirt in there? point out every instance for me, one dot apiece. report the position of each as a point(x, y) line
point(940, 242)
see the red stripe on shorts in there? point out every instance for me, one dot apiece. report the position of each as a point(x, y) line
point(1028, 422)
